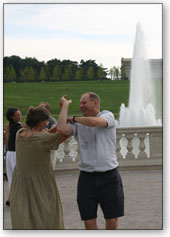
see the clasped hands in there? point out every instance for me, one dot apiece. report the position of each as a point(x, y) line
point(63, 101)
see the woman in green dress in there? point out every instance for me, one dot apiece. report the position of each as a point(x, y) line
point(35, 200)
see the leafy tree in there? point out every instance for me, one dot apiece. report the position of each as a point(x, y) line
point(30, 69)
point(111, 73)
point(24, 74)
point(116, 72)
point(89, 63)
point(47, 72)
point(74, 69)
point(10, 74)
point(71, 66)
point(42, 75)
point(67, 75)
point(15, 61)
point(13, 74)
point(100, 72)
point(90, 73)
point(34, 63)
point(79, 74)
point(51, 64)
point(70, 71)
point(123, 72)
point(56, 75)
point(31, 75)
point(7, 77)
point(21, 76)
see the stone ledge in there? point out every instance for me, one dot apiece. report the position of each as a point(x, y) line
point(147, 164)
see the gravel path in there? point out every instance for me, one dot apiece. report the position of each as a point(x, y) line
point(143, 201)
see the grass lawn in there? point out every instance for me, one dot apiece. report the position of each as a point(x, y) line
point(22, 95)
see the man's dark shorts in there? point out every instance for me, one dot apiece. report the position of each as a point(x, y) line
point(104, 188)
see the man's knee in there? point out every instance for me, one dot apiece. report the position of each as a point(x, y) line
point(112, 224)
point(91, 224)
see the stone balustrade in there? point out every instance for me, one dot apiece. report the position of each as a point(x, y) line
point(142, 147)
point(137, 148)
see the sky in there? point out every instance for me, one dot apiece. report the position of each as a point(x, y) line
point(101, 32)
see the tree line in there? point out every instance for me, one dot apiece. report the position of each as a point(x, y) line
point(16, 69)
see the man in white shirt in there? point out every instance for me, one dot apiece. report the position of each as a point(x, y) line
point(99, 180)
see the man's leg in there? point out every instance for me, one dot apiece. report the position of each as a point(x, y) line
point(91, 224)
point(111, 224)
point(112, 198)
point(87, 200)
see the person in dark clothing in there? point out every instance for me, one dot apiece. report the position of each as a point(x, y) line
point(14, 117)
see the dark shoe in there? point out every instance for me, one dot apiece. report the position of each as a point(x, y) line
point(8, 203)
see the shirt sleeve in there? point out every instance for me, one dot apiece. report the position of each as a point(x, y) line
point(74, 127)
point(50, 141)
point(109, 118)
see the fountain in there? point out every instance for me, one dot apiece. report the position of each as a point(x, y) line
point(139, 138)
point(141, 110)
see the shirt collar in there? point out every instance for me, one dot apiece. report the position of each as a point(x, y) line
point(98, 114)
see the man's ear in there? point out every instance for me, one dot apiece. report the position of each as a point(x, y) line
point(96, 103)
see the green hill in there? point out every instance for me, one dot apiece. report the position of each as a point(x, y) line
point(22, 95)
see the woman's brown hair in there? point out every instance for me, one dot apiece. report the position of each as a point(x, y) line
point(35, 115)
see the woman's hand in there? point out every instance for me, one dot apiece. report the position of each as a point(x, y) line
point(63, 101)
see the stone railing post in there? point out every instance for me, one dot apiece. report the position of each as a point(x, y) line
point(67, 149)
point(142, 153)
point(129, 155)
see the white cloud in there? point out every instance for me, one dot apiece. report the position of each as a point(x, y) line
point(108, 54)
point(88, 18)
point(81, 28)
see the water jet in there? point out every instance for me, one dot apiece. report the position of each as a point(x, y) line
point(141, 110)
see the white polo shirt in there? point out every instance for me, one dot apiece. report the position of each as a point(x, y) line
point(97, 145)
